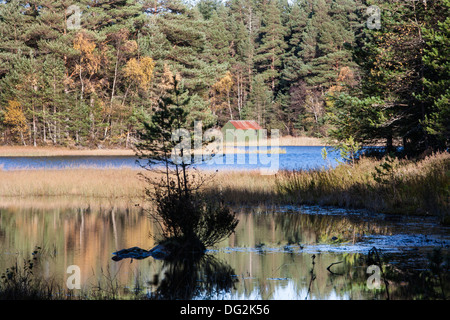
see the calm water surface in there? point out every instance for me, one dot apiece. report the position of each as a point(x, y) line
point(270, 256)
point(293, 158)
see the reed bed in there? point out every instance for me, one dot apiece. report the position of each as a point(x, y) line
point(123, 185)
point(22, 151)
point(75, 182)
point(419, 187)
point(285, 141)
point(301, 141)
point(391, 186)
point(243, 188)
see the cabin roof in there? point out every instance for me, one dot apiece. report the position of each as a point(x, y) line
point(245, 124)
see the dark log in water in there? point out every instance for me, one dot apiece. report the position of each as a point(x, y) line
point(158, 252)
point(165, 251)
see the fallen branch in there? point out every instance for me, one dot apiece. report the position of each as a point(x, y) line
point(158, 252)
point(328, 268)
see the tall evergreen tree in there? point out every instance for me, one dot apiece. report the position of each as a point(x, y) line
point(15, 22)
point(394, 86)
point(296, 25)
point(436, 32)
point(331, 25)
point(272, 45)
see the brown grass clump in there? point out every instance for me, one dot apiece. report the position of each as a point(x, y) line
point(390, 185)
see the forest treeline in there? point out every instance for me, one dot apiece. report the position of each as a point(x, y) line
point(307, 67)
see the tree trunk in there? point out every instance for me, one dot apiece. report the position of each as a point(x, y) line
point(229, 105)
point(239, 93)
point(109, 123)
point(44, 124)
point(34, 127)
point(389, 143)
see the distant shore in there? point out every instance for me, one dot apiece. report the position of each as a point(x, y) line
point(50, 151)
point(407, 187)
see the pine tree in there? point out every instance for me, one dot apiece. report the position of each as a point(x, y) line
point(272, 44)
point(312, 60)
point(331, 23)
point(260, 102)
point(436, 95)
point(208, 7)
point(189, 221)
point(297, 22)
point(392, 101)
point(292, 86)
point(15, 23)
point(243, 24)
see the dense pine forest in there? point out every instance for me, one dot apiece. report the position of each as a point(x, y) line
point(89, 73)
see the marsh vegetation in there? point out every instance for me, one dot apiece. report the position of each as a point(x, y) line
point(408, 187)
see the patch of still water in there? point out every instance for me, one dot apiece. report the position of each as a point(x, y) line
point(283, 253)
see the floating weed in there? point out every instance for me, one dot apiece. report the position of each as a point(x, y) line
point(260, 247)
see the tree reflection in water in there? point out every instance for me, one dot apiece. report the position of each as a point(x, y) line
point(206, 278)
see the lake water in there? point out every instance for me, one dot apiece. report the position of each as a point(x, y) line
point(270, 256)
point(293, 158)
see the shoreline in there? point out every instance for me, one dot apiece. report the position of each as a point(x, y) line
point(400, 186)
point(411, 188)
point(51, 151)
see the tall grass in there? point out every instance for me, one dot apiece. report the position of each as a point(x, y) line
point(76, 182)
point(392, 186)
point(22, 151)
point(244, 187)
point(19, 282)
point(419, 187)
point(87, 185)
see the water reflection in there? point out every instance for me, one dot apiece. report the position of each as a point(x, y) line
point(270, 256)
point(187, 279)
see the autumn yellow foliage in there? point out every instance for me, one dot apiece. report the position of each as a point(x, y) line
point(89, 57)
point(15, 118)
point(225, 84)
point(140, 71)
point(222, 89)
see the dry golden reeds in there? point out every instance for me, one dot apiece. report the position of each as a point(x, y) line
point(22, 151)
point(76, 182)
point(119, 185)
point(403, 187)
point(410, 187)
